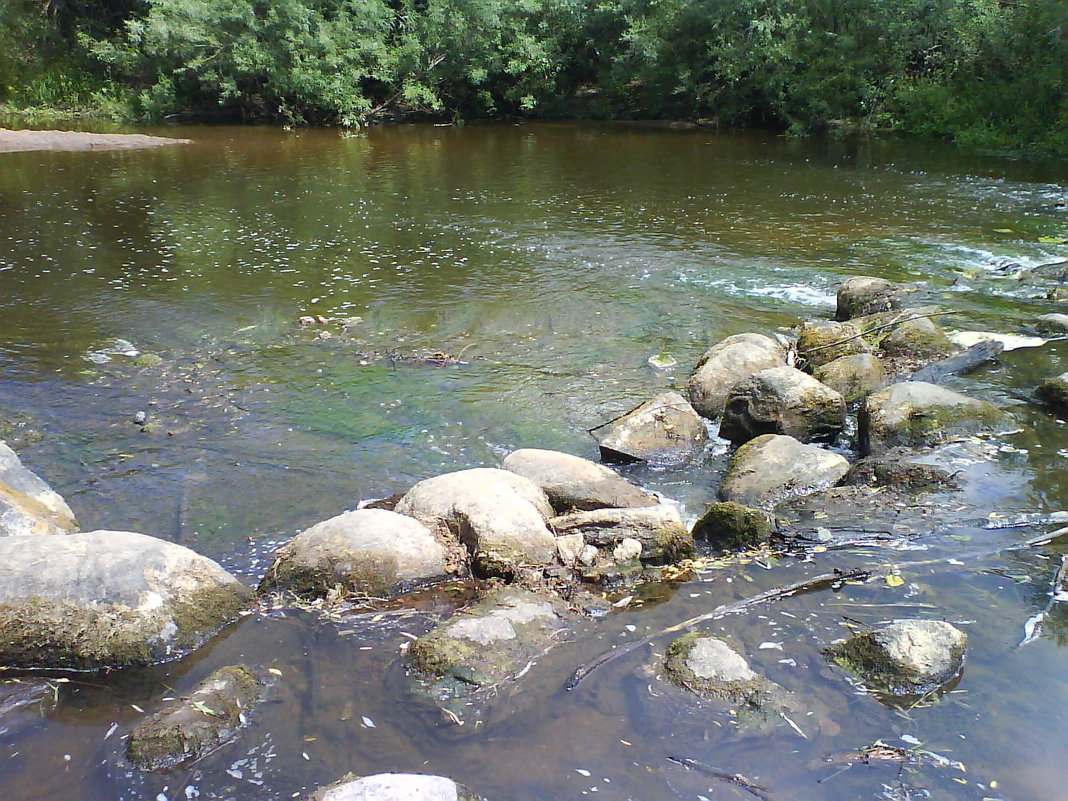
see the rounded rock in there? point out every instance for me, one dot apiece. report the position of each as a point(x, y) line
point(725, 364)
point(572, 482)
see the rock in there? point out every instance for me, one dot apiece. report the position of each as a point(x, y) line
point(1054, 391)
point(772, 468)
point(396, 787)
point(916, 338)
point(708, 667)
point(782, 400)
point(190, 727)
point(108, 598)
point(369, 551)
point(862, 295)
point(905, 657)
point(27, 504)
point(1052, 324)
point(575, 483)
point(24, 702)
point(896, 469)
point(852, 377)
point(822, 341)
point(730, 526)
point(963, 363)
point(497, 515)
point(665, 430)
point(725, 364)
point(659, 530)
point(917, 414)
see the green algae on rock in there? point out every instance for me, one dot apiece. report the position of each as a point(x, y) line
point(729, 525)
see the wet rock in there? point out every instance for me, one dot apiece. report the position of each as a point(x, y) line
point(190, 727)
point(107, 598)
point(863, 295)
point(853, 377)
point(905, 657)
point(917, 414)
point(369, 551)
point(897, 469)
point(770, 469)
point(658, 529)
point(396, 787)
point(23, 702)
point(1054, 391)
point(711, 669)
point(665, 430)
point(27, 504)
point(916, 338)
point(497, 515)
point(977, 355)
point(1052, 324)
point(725, 364)
point(575, 483)
point(731, 526)
point(782, 400)
point(822, 341)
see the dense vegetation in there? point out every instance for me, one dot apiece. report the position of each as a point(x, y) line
point(983, 72)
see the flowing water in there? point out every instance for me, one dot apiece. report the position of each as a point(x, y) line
point(551, 261)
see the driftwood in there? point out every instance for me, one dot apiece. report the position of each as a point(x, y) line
point(879, 328)
point(978, 354)
point(808, 585)
point(763, 793)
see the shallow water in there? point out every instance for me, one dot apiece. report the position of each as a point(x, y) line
point(554, 260)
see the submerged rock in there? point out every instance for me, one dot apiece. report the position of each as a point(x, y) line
point(730, 525)
point(822, 341)
point(725, 364)
point(711, 669)
point(1052, 324)
point(368, 551)
point(770, 469)
point(853, 377)
point(497, 515)
point(897, 469)
point(190, 727)
point(659, 530)
point(664, 430)
point(1054, 391)
point(108, 598)
point(782, 400)
point(905, 657)
point(575, 483)
point(917, 414)
point(862, 295)
point(27, 504)
point(396, 787)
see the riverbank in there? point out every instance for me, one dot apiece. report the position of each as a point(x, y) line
point(27, 140)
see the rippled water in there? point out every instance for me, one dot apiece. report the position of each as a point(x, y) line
point(554, 260)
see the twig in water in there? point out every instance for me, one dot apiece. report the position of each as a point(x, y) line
point(763, 793)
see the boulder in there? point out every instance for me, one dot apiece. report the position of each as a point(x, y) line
point(1052, 324)
point(575, 483)
point(782, 400)
point(916, 338)
point(773, 468)
point(27, 504)
point(862, 295)
point(711, 669)
point(188, 728)
point(665, 430)
point(905, 657)
point(725, 364)
point(729, 526)
point(852, 377)
point(1054, 392)
point(369, 551)
point(822, 341)
point(396, 787)
point(658, 529)
point(108, 598)
point(917, 414)
point(898, 470)
point(497, 515)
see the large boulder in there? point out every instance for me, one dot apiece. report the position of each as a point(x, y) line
point(1054, 391)
point(27, 504)
point(905, 657)
point(369, 551)
point(108, 598)
point(782, 400)
point(862, 295)
point(917, 414)
point(658, 529)
point(729, 525)
point(396, 787)
point(725, 364)
point(853, 377)
point(665, 430)
point(498, 515)
point(190, 727)
point(773, 468)
point(711, 669)
point(572, 482)
point(822, 341)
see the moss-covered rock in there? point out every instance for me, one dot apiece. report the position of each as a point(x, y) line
point(863, 295)
point(659, 530)
point(782, 400)
point(725, 364)
point(711, 669)
point(853, 377)
point(730, 525)
point(917, 339)
point(822, 341)
point(1054, 392)
point(896, 469)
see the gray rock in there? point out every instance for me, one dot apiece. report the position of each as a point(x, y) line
point(665, 430)
point(575, 483)
point(905, 657)
point(773, 468)
point(822, 341)
point(709, 668)
point(368, 551)
point(497, 515)
point(782, 400)
point(27, 504)
point(659, 530)
point(396, 787)
point(853, 377)
point(108, 598)
point(725, 364)
point(1052, 324)
point(978, 354)
point(1054, 391)
point(898, 469)
point(190, 727)
point(917, 414)
point(862, 295)
point(917, 338)
point(729, 525)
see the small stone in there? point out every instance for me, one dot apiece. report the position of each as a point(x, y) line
point(570, 547)
point(1052, 324)
point(627, 550)
point(917, 338)
point(396, 787)
point(140, 418)
point(1054, 392)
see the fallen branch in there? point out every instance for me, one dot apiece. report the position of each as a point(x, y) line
point(818, 583)
point(763, 793)
point(878, 328)
point(1033, 626)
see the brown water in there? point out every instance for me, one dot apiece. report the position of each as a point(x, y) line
point(554, 260)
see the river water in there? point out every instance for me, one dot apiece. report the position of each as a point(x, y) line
point(552, 261)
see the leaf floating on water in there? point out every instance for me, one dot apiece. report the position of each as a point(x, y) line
point(894, 580)
point(582, 772)
point(275, 671)
point(136, 708)
point(370, 724)
point(1053, 240)
point(1004, 231)
point(663, 360)
point(908, 738)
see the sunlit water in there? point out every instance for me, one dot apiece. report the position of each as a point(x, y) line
point(553, 260)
